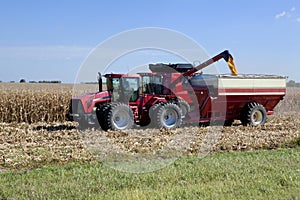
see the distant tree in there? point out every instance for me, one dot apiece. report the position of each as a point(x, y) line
point(32, 82)
point(44, 81)
point(55, 81)
point(291, 83)
point(22, 81)
point(89, 82)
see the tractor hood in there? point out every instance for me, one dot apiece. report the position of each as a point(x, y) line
point(89, 101)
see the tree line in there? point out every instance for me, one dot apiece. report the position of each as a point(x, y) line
point(292, 83)
point(43, 81)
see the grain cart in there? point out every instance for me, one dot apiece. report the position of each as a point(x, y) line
point(173, 93)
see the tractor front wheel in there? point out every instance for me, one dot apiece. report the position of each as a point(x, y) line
point(116, 116)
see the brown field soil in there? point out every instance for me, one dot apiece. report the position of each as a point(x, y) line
point(33, 130)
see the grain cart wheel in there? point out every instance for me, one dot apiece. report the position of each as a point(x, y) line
point(184, 107)
point(254, 114)
point(117, 116)
point(168, 116)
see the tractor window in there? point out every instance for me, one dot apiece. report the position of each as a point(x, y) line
point(116, 83)
point(145, 84)
point(130, 89)
point(152, 84)
point(113, 85)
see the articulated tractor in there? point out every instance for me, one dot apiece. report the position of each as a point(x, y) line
point(173, 94)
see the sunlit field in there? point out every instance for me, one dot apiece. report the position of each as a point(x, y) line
point(34, 134)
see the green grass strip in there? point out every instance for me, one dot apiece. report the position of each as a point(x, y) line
point(238, 175)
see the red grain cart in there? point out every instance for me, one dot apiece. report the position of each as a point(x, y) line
point(249, 98)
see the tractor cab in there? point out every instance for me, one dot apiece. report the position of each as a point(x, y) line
point(123, 87)
point(152, 83)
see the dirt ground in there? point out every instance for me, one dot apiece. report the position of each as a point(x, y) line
point(33, 145)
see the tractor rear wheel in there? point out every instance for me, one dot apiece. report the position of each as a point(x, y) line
point(148, 123)
point(152, 115)
point(254, 114)
point(116, 116)
point(167, 116)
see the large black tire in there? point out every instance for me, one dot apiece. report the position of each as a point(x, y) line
point(149, 122)
point(115, 116)
point(167, 116)
point(254, 114)
point(102, 116)
point(153, 109)
point(152, 115)
point(184, 107)
point(228, 122)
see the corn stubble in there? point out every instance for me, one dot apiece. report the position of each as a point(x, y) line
point(33, 130)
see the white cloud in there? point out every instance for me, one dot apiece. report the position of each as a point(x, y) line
point(293, 9)
point(290, 14)
point(279, 15)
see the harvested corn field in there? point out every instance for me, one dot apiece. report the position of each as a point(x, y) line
point(33, 130)
point(30, 145)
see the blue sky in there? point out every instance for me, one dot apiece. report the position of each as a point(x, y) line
point(49, 40)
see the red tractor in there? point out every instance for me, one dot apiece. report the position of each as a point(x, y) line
point(172, 93)
point(140, 99)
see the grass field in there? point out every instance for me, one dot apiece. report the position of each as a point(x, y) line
point(43, 156)
point(237, 175)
